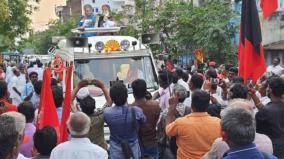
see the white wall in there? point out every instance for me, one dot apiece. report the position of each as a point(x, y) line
point(45, 12)
point(273, 28)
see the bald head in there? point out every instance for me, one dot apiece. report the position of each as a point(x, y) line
point(239, 103)
point(79, 124)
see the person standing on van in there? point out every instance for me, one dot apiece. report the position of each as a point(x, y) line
point(87, 21)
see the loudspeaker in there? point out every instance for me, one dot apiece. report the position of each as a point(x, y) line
point(77, 42)
point(151, 38)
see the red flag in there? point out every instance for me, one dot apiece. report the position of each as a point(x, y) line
point(47, 110)
point(66, 106)
point(268, 7)
point(169, 64)
point(251, 58)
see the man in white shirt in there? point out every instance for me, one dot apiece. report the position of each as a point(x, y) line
point(195, 83)
point(40, 70)
point(14, 86)
point(23, 73)
point(79, 147)
point(275, 67)
point(165, 80)
point(9, 71)
point(211, 76)
point(22, 78)
point(180, 81)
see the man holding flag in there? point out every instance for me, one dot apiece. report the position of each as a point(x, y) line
point(47, 110)
point(48, 114)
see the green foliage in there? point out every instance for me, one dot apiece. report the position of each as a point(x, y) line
point(14, 21)
point(187, 27)
point(4, 12)
point(41, 41)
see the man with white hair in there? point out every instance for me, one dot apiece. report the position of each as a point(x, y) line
point(20, 123)
point(87, 21)
point(8, 138)
point(238, 131)
point(79, 147)
point(219, 147)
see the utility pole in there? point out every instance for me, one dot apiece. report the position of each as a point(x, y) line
point(143, 19)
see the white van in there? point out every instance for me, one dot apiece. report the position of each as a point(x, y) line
point(111, 58)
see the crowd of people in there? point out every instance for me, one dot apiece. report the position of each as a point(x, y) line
point(207, 113)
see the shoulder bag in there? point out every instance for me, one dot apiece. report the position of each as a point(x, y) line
point(126, 149)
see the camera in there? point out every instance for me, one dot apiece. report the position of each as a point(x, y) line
point(214, 81)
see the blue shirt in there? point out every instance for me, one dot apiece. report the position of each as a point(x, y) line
point(119, 120)
point(35, 100)
point(245, 152)
point(28, 88)
point(59, 111)
point(87, 22)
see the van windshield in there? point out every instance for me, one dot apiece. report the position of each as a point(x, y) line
point(127, 69)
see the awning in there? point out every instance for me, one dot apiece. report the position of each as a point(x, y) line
point(275, 46)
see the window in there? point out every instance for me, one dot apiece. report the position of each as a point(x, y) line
point(281, 4)
point(282, 18)
point(126, 68)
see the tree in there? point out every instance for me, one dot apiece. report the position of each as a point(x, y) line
point(14, 21)
point(207, 28)
point(186, 27)
point(4, 12)
point(41, 41)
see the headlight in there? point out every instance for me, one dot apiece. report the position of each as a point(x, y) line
point(124, 44)
point(99, 46)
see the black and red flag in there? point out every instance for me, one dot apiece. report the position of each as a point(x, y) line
point(251, 57)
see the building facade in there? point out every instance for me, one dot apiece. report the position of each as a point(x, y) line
point(73, 8)
point(273, 37)
point(43, 11)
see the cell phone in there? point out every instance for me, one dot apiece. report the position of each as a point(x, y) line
point(214, 81)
